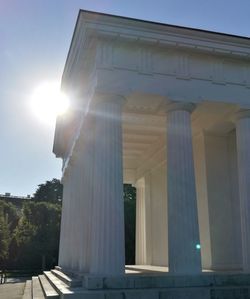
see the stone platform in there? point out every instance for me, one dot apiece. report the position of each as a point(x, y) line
point(145, 282)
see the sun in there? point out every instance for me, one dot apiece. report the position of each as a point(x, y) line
point(48, 101)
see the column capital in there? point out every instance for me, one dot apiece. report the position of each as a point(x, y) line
point(140, 183)
point(242, 113)
point(177, 106)
point(101, 97)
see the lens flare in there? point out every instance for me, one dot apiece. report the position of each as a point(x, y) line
point(198, 246)
point(47, 101)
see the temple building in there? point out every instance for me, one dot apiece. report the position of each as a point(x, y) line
point(164, 108)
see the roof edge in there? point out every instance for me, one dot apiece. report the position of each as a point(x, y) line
point(164, 24)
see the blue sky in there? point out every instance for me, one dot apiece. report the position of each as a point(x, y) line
point(35, 37)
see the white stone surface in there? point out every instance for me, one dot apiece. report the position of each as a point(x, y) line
point(64, 248)
point(140, 253)
point(183, 229)
point(243, 151)
point(223, 201)
point(107, 227)
point(143, 254)
point(85, 187)
point(202, 199)
point(74, 217)
point(159, 218)
point(62, 245)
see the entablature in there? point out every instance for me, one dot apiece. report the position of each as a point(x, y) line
point(99, 38)
point(148, 64)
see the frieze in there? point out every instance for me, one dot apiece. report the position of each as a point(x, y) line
point(182, 64)
point(105, 54)
point(183, 67)
point(247, 75)
point(217, 73)
point(145, 65)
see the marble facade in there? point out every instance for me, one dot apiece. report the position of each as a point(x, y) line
point(167, 109)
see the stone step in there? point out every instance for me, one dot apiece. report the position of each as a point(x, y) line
point(229, 292)
point(71, 282)
point(27, 290)
point(165, 281)
point(153, 287)
point(59, 285)
point(48, 290)
point(65, 291)
point(37, 291)
point(58, 268)
point(159, 293)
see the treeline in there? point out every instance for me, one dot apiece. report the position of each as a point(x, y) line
point(29, 237)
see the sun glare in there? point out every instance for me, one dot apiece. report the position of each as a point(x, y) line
point(47, 101)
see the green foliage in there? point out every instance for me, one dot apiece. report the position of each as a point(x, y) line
point(29, 238)
point(8, 222)
point(129, 193)
point(4, 238)
point(37, 235)
point(51, 191)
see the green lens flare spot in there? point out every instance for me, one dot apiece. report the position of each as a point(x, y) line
point(198, 246)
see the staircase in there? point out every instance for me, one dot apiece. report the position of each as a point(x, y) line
point(56, 284)
point(51, 284)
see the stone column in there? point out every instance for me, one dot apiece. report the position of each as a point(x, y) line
point(183, 228)
point(65, 253)
point(140, 252)
point(143, 255)
point(86, 190)
point(243, 153)
point(107, 238)
point(74, 228)
point(62, 259)
point(79, 206)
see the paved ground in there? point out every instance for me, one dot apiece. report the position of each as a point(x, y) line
point(11, 290)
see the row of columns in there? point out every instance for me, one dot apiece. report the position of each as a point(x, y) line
point(92, 229)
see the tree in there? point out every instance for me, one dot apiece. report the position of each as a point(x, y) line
point(51, 191)
point(129, 196)
point(129, 192)
point(4, 239)
point(29, 238)
point(37, 235)
point(8, 221)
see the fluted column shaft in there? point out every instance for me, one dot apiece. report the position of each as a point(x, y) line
point(183, 230)
point(65, 253)
point(140, 254)
point(143, 254)
point(74, 217)
point(86, 186)
point(74, 251)
point(243, 153)
point(62, 259)
point(107, 245)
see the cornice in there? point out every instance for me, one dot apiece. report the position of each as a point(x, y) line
point(99, 15)
point(121, 28)
point(92, 27)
